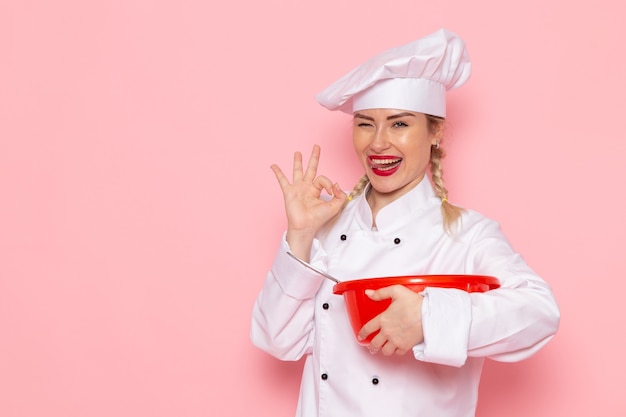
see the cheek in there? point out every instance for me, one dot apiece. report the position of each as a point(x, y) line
point(414, 144)
point(418, 150)
point(359, 142)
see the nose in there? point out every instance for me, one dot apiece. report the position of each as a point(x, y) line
point(379, 142)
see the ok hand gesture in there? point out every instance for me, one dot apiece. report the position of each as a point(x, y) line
point(306, 211)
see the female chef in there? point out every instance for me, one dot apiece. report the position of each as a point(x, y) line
point(427, 357)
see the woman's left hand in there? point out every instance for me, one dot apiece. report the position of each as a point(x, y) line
point(400, 324)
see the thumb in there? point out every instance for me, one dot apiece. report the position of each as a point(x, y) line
point(379, 294)
point(338, 194)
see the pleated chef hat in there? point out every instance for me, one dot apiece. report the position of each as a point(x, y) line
point(412, 77)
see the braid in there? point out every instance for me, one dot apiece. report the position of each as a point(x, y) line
point(436, 155)
point(449, 212)
point(359, 187)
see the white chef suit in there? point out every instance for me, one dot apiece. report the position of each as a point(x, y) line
point(297, 314)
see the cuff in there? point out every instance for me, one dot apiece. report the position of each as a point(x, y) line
point(446, 320)
point(294, 279)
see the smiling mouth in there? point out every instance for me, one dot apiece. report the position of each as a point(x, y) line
point(386, 164)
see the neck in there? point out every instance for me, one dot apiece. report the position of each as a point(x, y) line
point(378, 200)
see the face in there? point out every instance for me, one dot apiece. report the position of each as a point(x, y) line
point(394, 148)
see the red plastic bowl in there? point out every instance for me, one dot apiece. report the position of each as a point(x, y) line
point(362, 309)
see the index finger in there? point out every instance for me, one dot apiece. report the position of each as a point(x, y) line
point(369, 329)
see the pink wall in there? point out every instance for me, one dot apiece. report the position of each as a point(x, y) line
point(138, 213)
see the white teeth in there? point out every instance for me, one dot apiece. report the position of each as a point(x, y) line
point(385, 161)
point(385, 164)
point(380, 168)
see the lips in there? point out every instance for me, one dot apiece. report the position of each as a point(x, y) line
point(384, 165)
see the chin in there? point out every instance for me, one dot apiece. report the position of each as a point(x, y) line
point(384, 188)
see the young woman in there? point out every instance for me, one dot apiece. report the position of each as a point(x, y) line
point(427, 356)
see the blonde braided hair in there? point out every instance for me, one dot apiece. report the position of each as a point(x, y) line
point(359, 187)
point(449, 212)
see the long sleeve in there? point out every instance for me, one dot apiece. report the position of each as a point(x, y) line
point(507, 324)
point(283, 313)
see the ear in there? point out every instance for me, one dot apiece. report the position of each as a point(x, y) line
point(437, 133)
point(437, 137)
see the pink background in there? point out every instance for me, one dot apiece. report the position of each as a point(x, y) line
point(138, 213)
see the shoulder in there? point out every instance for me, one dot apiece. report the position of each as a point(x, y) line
point(476, 225)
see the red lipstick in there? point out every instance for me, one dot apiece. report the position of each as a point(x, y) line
point(384, 165)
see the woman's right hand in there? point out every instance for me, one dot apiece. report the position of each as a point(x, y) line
point(306, 211)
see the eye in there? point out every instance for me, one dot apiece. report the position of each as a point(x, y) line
point(400, 124)
point(363, 124)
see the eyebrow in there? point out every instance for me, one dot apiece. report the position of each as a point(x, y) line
point(393, 116)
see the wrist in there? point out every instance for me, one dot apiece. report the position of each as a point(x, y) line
point(300, 243)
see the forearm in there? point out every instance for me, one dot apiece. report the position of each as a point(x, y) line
point(507, 324)
point(510, 325)
point(283, 314)
point(300, 243)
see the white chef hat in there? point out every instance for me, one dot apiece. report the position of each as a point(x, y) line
point(411, 77)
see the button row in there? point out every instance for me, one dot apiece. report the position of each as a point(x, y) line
point(396, 240)
point(375, 379)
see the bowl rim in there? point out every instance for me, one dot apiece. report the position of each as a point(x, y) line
point(439, 280)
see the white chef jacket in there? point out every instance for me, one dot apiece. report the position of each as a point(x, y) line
point(297, 314)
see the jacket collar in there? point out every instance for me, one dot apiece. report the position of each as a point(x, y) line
point(417, 200)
